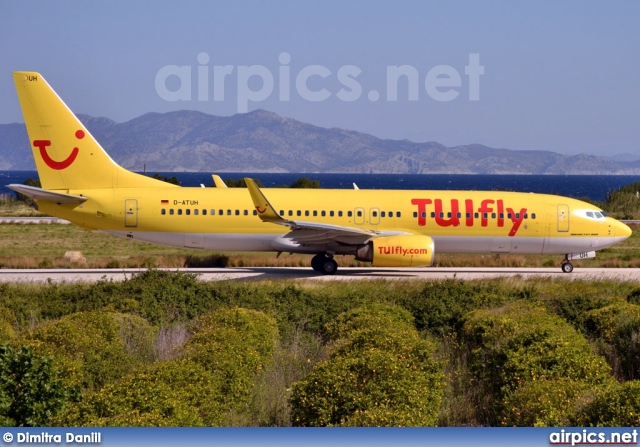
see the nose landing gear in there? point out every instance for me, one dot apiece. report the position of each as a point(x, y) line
point(567, 266)
point(324, 264)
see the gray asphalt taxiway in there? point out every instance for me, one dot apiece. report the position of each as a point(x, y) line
point(303, 273)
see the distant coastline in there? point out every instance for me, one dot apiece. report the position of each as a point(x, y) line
point(262, 141)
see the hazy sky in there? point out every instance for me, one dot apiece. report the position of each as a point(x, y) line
point(561, 76)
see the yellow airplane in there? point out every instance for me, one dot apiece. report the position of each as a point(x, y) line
point(82, 184)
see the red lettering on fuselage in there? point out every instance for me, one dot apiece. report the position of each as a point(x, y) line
point(489, 210)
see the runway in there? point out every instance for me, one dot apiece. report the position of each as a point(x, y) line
point(344, 274)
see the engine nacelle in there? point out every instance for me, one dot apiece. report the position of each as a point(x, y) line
point(398, 251)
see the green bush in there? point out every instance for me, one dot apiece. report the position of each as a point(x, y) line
point(31, 389)
point(7, 332)
point(544, 403)
point(96, 348)
point(380, 374)
point(617, 329)
point(439, 307)
point(521, 343)
point(617, 405)
point(174, 393)
point(233, 344)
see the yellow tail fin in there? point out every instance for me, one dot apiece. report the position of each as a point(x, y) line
point(67, 156)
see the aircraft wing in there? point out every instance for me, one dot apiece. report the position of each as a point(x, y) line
point(311, 233)
point(47, 196)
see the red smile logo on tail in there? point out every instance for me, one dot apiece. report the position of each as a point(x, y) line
point(53, 164)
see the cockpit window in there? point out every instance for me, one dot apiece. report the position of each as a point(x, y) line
point(590, 214)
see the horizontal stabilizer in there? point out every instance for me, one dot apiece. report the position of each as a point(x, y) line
point(46, 196)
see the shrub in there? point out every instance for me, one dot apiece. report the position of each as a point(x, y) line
point(440, 305)
point(96, 348)
point(617, 328)
point(31, 389)
point(175, 393)
point(543, 403)
point(381, 373)
point(617, 405)
point(521, 343)
point(233, 345)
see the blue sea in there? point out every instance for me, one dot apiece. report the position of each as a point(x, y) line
point(595, 187)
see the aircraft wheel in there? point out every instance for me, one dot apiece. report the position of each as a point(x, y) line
point(316, 262)
point(329, 266)
point(567, 267)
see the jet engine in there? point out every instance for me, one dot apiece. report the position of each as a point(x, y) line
point(398, 251)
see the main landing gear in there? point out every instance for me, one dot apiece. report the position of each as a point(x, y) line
point(324, 264)
point(567, 266)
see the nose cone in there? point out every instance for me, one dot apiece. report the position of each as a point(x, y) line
point(622, 231)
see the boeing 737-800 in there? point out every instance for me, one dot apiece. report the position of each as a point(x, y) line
point(82, 184)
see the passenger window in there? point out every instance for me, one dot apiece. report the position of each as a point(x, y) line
point(323, 213)
point(441, 214)
point(433, 214)
point(349, 213)
point(390, 213)
point(282, 212)
point(476, 215)
point(196, 212)
point(493, 215)
point(163, 211)
point(228, 212)
point(237, 212)
point(204, 212)
point(359, 213)
point(221, 212)
point(290, 212)
point(246, 212)
point(375, 214)
point(188, 212)
point(468, 215)
point(415, 214)
point(255, 213)
point(171, 211)
point(180, 212)
point(533, 215)
point(449, 215)
point(398, 214)
point(331, 213)
point(306, 213)
point(315, 213)
point(501, 215)
point(382, 214)
point(485, 215)
point(508, 215)
point(517, 216)
point(299, 213)
point(339, 213)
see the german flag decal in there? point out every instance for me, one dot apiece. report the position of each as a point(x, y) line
point(164, 202)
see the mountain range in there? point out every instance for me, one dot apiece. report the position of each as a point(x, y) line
point(262, 141)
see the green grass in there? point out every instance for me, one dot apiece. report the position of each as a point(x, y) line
point(44, 245)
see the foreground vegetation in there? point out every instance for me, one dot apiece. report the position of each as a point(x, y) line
point(167, 349)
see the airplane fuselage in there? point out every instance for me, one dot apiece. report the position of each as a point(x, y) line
point(458, 221)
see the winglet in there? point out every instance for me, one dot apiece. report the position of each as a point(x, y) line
point(218, 181)
point(266, 211)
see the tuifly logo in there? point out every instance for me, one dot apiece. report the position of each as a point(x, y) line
point(54, 164)
point(262, 211)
